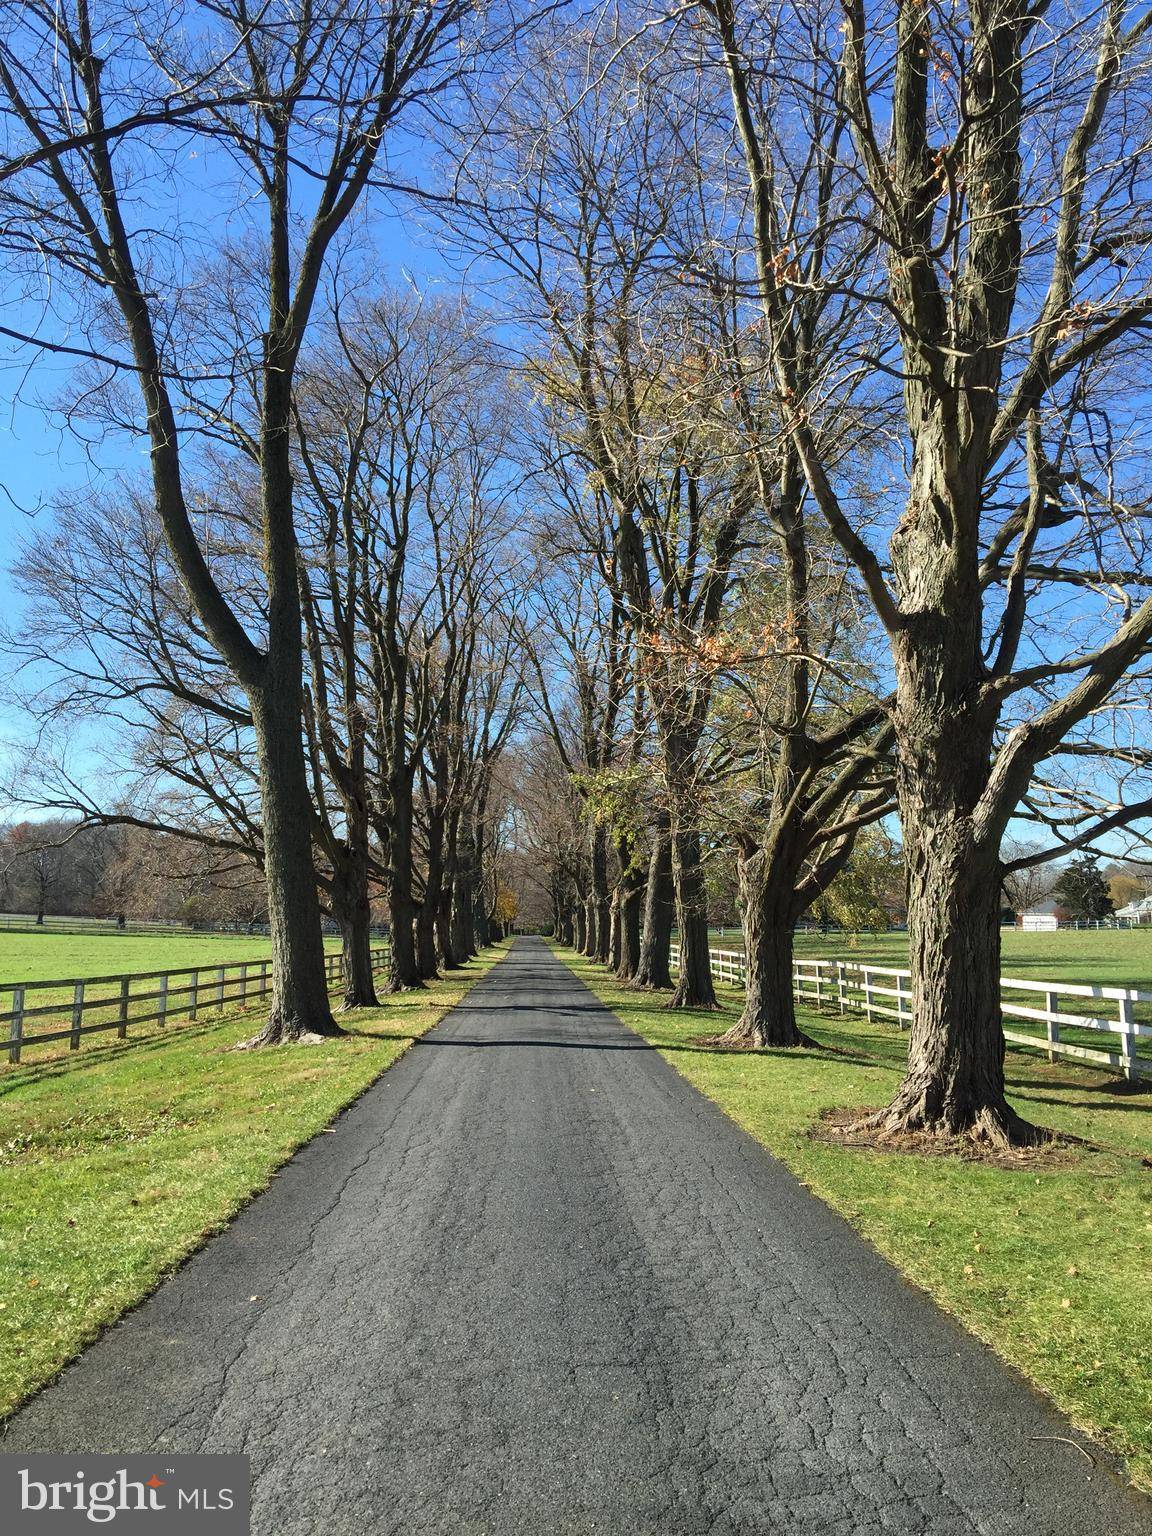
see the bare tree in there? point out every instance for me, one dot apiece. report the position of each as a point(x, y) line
point(1011, 283)
point(310, 101)
point(562, 193)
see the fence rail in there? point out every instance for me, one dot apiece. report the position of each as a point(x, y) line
point(94, 1005)
point(883, 991)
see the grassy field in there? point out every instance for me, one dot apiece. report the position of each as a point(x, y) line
point(59, 956)
point(1107, 958)
point(33, 959)
point(1104, 957)
point(118, 1162)
point(1051, 1268)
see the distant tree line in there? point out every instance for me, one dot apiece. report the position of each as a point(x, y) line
point(69, 868)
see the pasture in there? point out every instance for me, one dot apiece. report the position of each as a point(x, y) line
point(52, 955)
point(1102, 957)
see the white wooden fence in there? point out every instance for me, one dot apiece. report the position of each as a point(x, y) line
point(97, 1004)
point(882, 991)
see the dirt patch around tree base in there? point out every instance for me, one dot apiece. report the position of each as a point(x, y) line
point(847, 1128)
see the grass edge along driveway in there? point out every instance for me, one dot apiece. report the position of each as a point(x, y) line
point(117, 1164)
point(1051, 1269)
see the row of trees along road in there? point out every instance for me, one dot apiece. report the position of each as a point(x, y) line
point(180, 189)
point(785, 479)
point(846, 407)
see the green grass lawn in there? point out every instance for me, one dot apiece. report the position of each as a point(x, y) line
point(1053, 1269)
point(63, 956)
point(1105, 957)
point(1108, 958)
point(38, 958)
point(119, 1161)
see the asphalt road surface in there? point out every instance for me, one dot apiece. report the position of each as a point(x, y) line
point(536, 1284)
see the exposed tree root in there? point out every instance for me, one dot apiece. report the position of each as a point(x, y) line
point(749, 1036)
point(354, 1003)
point(1050, 1153)
point(995, 1125)
point(279, 1032)
point(690, 1005)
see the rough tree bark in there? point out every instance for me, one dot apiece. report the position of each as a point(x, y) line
point(427, 960)
point(403, 971)
point(599, 899)
point(463, 937)
point(768, 914)
point(352, 909)
point(480, 926)
point(652, 969)
point(301, 1010)
point(629, 909)
point(694, 985)
point(955, 1078)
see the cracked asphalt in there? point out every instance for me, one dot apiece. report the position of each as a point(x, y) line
point(534, 1283)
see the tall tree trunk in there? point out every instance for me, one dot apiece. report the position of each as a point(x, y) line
point(352, 909)
point(301, 1009)
point(462, 929)
point(945, 734)
point(427, 961)
point(955, 1078)
point(588, 914)
point(629, 900)
point(482, 937)
point(768, 901)
point(694, 987)
point(450, 956)
point(403, 971)
point(356, 959)
point(631, 909)
point(600, 916)
point(652, 969)
point(428, 913)
point(459, 922)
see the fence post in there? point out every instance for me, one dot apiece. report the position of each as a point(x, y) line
point(841, 985)
point(16, 1027)
point(220, 987)
point(900, 1002)
point(77, 1016)
point(244, 985)
point(868, 994)
point(1051, 1025)
point(122, 1026)
point(194, 997)
point(1128, 1040)
point(163, 999)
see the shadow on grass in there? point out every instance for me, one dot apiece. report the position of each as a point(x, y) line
point(1090, 1104)
point(27, 1073)
point(179, 1031)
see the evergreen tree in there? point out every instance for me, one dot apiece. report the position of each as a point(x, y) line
point(1082, 890)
